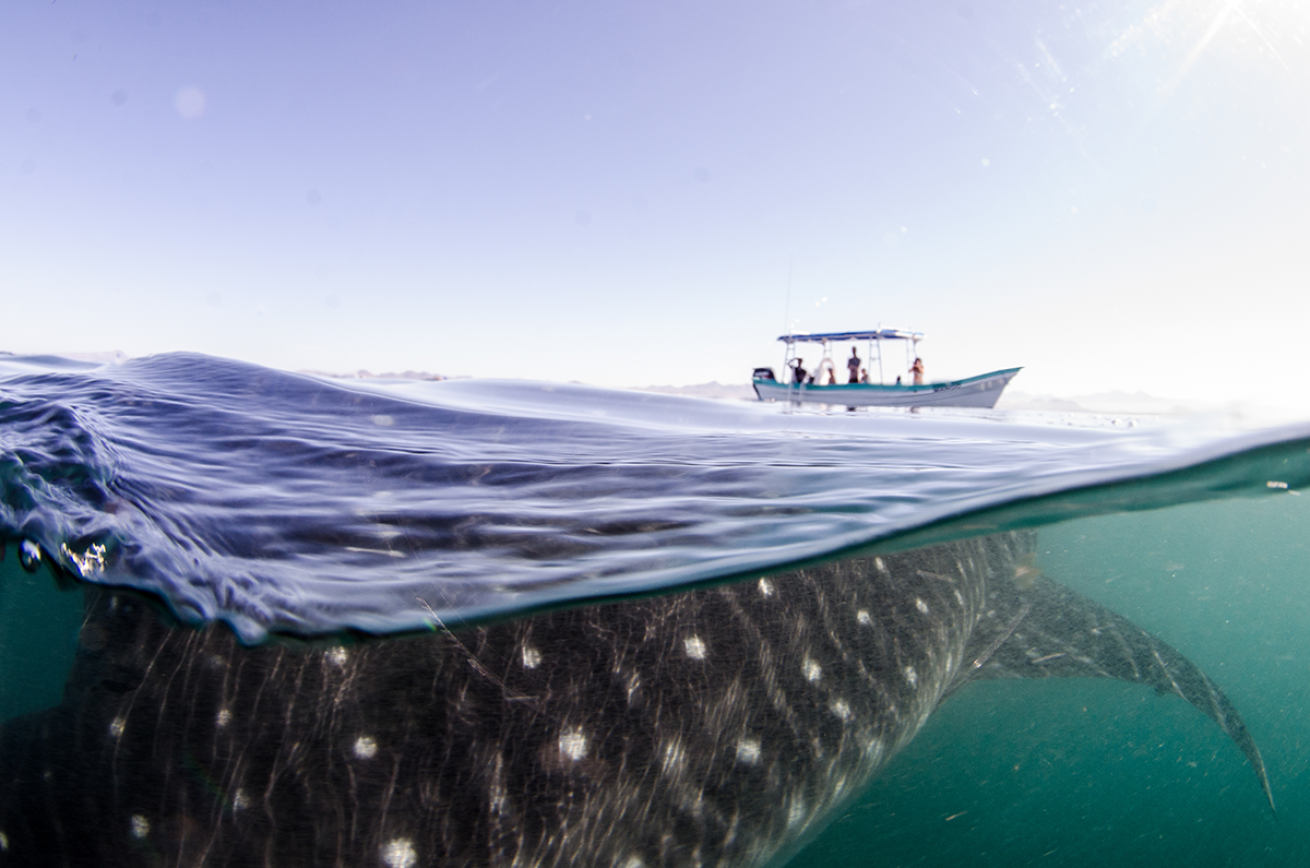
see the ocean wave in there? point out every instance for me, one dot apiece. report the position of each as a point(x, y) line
point(293, 504)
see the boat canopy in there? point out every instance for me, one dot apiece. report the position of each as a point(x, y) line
point(877, 335)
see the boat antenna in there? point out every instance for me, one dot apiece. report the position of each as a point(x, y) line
point(786, 311)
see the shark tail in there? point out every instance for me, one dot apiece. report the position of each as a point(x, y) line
point(1044, 630)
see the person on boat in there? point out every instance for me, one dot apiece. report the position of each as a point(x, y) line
point(864, 375)
point(917, 370)
point(853, 365)
point(798, 371)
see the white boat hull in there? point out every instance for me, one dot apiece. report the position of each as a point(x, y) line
point(981, 391)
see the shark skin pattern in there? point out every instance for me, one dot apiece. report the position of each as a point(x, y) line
point(712, 727)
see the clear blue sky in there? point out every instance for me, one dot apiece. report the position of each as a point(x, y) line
point(1112, 195)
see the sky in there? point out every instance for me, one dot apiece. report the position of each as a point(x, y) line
point(1112, 195)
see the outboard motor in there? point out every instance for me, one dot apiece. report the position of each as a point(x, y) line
point(764, 374)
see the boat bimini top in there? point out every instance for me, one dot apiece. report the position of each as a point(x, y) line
point(837, 337)
point(874, 339)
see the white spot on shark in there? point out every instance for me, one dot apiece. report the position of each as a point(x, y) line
point(117, 726)
point(240, 800)
point(911, 676)
point(841, 708)
point(140, 826)
point(223, 718)
point(4, 842)
point(399, 853)
point(531, 657)
point(695, 647)
point(748, 751)
point(921, 605)
point(813, 671)
point(863, 617)
point(766, 588)
point(882, 567)
point(573, 744)
point(365, 747)
point(337, 656)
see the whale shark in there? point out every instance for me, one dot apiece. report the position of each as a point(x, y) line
point(722, 725)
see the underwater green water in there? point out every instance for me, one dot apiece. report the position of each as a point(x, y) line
point(1047, 772)
point(38, 637)
point(1093, 772)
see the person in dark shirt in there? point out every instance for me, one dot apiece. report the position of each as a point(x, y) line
point(853, 365)
point(797, 371)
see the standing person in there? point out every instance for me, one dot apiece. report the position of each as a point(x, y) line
point(917, 370)
point(853, 365)
point(798, 371)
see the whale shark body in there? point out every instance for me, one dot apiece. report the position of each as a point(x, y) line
point(719, 726)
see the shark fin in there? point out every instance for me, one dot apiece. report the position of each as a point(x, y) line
point(1045, 630)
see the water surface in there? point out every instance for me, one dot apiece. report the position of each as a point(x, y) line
point(293, 507)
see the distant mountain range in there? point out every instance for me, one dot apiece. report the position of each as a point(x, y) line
point(369, 375)
point(715, 389)
point(1133, 403)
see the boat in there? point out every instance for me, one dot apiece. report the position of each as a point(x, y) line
point(980, 391)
